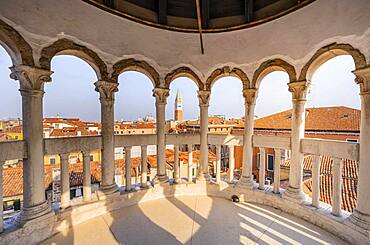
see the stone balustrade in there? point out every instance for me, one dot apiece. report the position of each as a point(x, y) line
point(338, 150)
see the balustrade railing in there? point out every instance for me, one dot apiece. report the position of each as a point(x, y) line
point(337, 150)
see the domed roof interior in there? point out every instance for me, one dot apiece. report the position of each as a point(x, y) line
point(214, 15)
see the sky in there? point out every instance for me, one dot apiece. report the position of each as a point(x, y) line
point(71, 92)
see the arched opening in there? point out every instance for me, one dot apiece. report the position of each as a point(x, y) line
point(272, 103)
point(71, 109)
point(226, 113)
point(135, 114)
point(11, 199)
point(333, 113)
point(182, 117)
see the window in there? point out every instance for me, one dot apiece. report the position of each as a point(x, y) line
point(52, 160)
point(91, 158)
point(270, 162)
point(258, 160)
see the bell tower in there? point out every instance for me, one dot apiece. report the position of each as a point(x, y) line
point(178, 107)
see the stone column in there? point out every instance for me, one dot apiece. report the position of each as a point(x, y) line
point(361, 215)
point(218, 163)
point(262, 169)
point(231, 163)
point(144, 166)
point(64, 172)
point(32, 82)
point(204, 97)
point(128, 167)
point(1, 198)
point(294, 191)
point(246, 179)
point(106, 91)
point(176, 174)
point(190, 163)
point(277, 164)
point(86, 185)
point(161, 95)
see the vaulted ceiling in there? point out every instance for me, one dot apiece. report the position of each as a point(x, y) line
point(215, 15)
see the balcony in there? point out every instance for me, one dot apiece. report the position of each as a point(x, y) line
point(202, 205)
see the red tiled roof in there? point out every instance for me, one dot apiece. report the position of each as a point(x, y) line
point(336, 118)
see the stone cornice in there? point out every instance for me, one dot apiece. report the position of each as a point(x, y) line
point(30, 78)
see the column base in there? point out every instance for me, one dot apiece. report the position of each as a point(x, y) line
point(30, 213)
point(246, 182)
point(107, 191)
point(159, 179)
point(361, 220)
point(203, 176)
point(294, 195)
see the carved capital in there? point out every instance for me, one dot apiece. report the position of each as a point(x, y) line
point(363, 79)
point(161, 95)
point(204, 96)
point(250, 95)
point(299, 89)
point(106, 90)
point(30, 78)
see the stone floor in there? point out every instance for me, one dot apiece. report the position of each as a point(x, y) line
point(195, 220)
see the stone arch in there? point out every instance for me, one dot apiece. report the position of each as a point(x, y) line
point(227, 71)
point(67, 47)
point(18, 49)
point(273, 65)
point(183, 71)
point(136, 65)
point(330, 51)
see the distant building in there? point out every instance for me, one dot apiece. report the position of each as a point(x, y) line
point(178, 107)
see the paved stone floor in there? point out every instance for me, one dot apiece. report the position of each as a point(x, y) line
point(195, 220)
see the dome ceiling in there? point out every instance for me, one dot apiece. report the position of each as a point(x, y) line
point(214, 15)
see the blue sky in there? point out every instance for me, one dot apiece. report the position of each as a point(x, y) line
point(71, 93)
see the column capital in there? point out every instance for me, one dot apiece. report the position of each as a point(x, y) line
point(204, 96)
point(30, 78)
point(161, 95)
point(363, 79)
point(250, 95)
point(106, 90)
point(299, 90)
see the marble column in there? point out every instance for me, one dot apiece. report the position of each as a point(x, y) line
point(277, 173)
point(262, 169)
point(86, 185)
point(128, 167)
point(204, 97)
point(294, 192)
point(190, 163)
point(64, 177)
point(144, 166)
point(246, 179)
point(106, 91)
point(1, 198)
point(218, 163)
point(32, 82)
point(176, 174)
point(231, 163)
point(361, 215)
point(161, 95)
